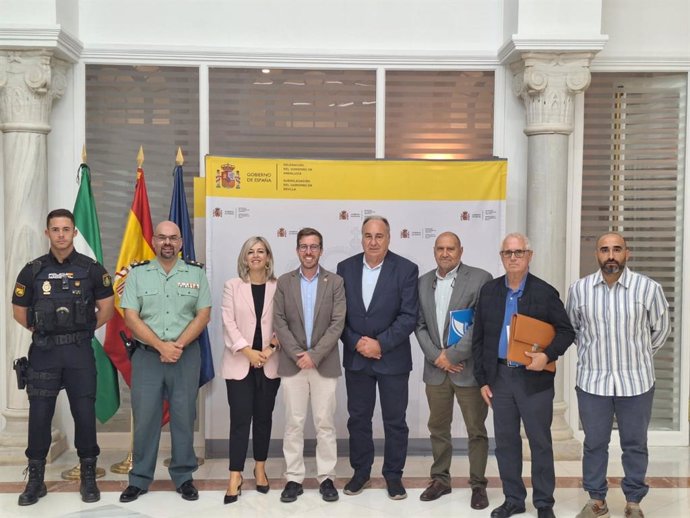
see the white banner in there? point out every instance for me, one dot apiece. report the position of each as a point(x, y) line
point(276, 198)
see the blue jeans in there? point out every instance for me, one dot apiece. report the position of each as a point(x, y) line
point(633, 414)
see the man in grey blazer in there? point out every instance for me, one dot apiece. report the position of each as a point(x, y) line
point(308, 318)
point(448, 369)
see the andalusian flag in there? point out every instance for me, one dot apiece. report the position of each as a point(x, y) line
point(136, 246)
point(88, 242)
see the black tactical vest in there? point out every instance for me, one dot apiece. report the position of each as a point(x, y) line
point(63, 296)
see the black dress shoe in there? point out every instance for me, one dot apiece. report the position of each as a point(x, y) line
point(507, 509)
point(545, 512)
point(435, 491)
point(328, 491)
point(291, 492)
point(131, 494)
point(188, 491)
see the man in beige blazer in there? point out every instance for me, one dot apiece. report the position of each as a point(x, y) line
point(308, 318)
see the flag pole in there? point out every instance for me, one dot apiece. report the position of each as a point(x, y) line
point(74, 473)
point(179, 160)
point(125, 465)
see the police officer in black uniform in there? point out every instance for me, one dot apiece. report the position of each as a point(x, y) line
point(62, 298)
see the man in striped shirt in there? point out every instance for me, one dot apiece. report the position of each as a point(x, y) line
point(621, 319)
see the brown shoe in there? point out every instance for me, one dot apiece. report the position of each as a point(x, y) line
point(435, 491)
point(479, 498)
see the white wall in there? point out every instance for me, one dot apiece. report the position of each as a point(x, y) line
point(398, 26)
point(640, 30)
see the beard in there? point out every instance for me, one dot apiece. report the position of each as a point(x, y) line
point(611, 267)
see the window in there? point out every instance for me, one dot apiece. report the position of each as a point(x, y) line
point(439, 115)
point(633, 176)
point(127, 107)
point(292, 113)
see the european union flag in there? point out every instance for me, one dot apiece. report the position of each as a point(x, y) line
point(179, 214)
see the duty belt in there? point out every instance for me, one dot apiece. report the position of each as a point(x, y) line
point(146, 347)
point(70, 338)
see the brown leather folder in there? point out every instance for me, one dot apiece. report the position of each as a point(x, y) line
point(528, 334)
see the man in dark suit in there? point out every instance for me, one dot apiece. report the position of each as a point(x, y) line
point(516, 392)
point(448, 368)
point(382, 308)
point(308, 318)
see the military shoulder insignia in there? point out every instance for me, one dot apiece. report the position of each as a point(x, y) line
point(194, 263)
point(107, 280)
point(139, 263)
point(19, 289)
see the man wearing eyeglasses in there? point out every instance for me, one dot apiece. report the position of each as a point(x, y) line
point(167, 304)
point(308, 318)
point(448, 366)
point(515, 392)
point(621, 319)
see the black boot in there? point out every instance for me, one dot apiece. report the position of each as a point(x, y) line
point(35, 487)
point(88, 488)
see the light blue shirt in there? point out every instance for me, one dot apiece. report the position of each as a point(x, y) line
point(308, 289)
point(511, 308)
point(370, 277)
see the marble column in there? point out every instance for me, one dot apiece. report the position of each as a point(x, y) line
point(547, 84)
point(29, 83)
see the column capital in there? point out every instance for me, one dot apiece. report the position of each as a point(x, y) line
point(29, 82)
point(547, 82)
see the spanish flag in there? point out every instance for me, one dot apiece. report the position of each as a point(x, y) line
point(136, 246)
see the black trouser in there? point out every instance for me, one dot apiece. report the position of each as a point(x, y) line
point(361, 401)
point(251, 401)
point(80, 386)
point(514, 402)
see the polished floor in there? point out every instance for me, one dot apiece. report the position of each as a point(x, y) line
point(668, 476)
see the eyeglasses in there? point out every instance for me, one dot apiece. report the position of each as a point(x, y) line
point(517, 253)
point(311, 248)
point(163, 239)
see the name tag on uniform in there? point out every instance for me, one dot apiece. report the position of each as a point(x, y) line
point(192, 285)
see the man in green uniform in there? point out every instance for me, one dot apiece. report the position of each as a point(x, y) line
point(167, 303)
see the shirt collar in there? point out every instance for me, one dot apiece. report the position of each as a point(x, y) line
point(623, 280)
point(370, 268)
point(450, 275)
point(520, 288)
point(155, 264)
point(302, 276)
point(69, 259)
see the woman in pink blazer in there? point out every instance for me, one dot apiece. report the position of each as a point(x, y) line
point(249, 365)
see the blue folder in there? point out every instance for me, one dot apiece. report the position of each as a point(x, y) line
point(459, 322)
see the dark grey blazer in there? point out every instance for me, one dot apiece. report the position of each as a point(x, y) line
point(468, 283)
point(329, 320)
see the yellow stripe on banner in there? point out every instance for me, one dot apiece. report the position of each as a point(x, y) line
point(199, 197)
point(355, 179)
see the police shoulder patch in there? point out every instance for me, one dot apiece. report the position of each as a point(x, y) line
point(194, 263)
point(19, 289)
point(107, 280)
